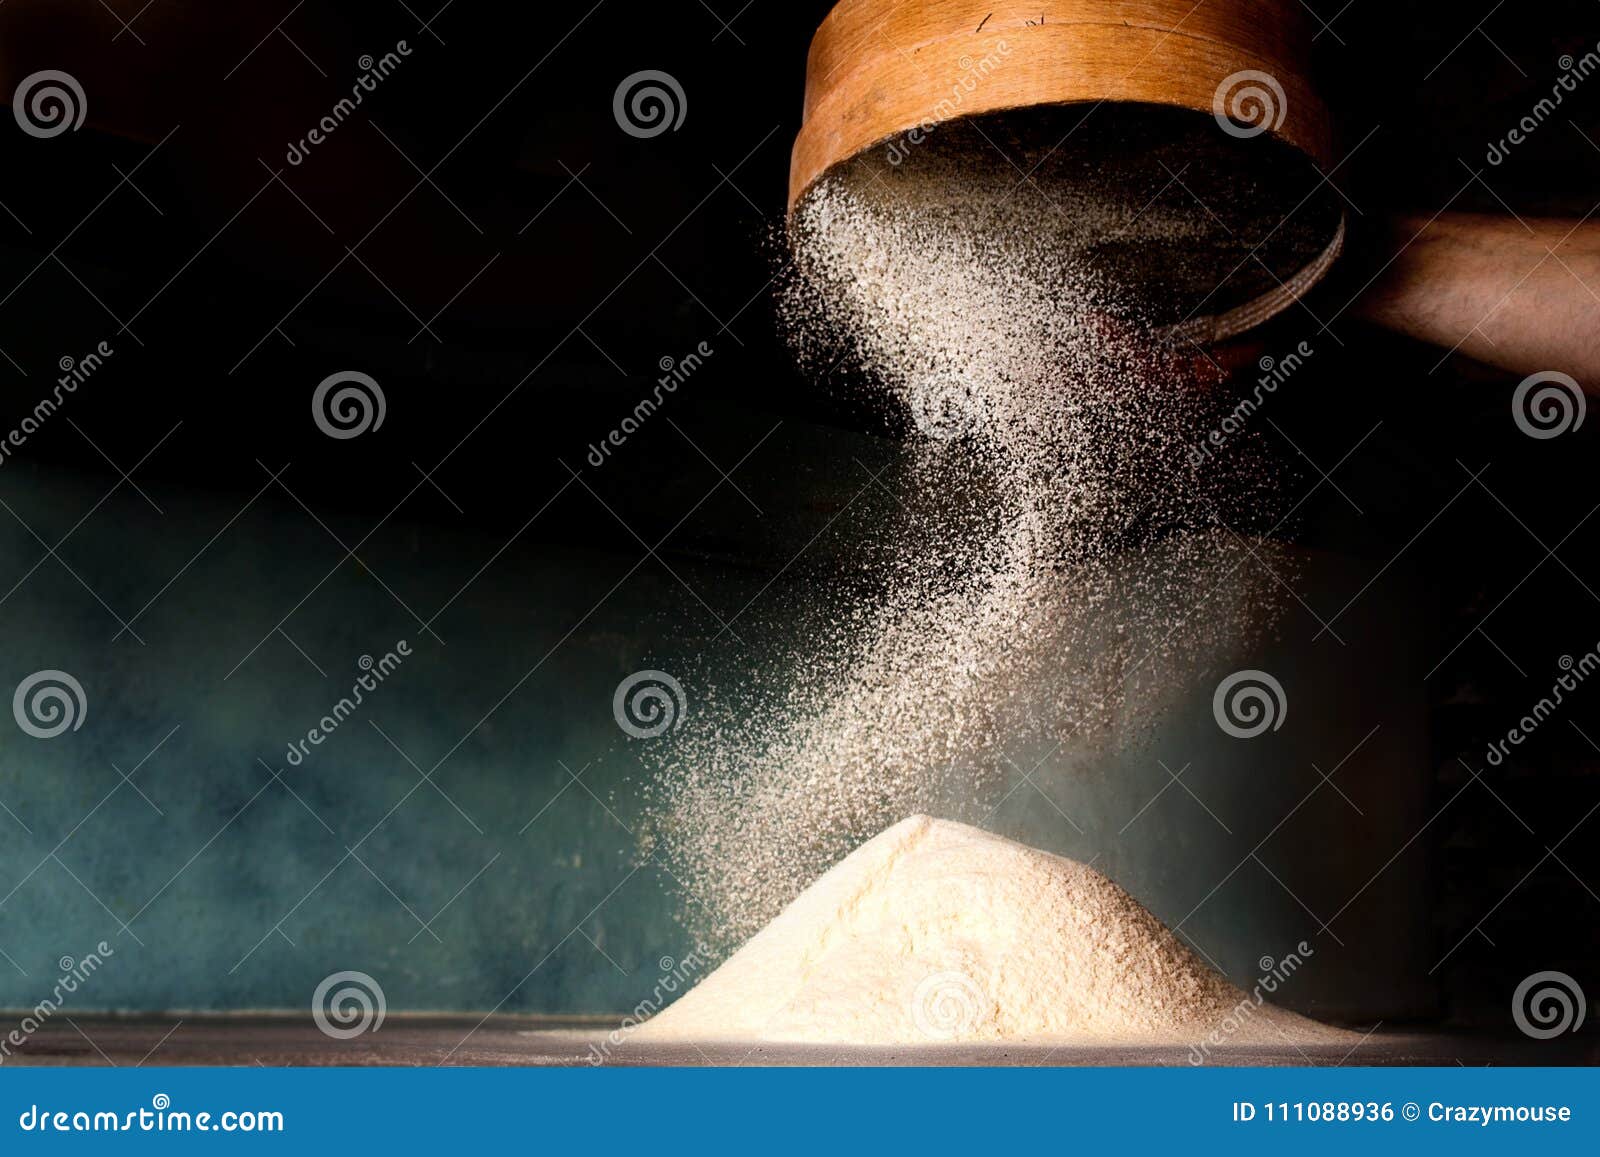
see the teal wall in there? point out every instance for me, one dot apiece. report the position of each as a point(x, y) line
point(220, 886)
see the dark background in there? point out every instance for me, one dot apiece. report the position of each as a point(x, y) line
point(484, 240)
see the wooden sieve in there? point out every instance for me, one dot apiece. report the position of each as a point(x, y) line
point(1223, 84)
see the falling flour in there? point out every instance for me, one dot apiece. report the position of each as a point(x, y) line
point(935, 931)
point(1048, 574)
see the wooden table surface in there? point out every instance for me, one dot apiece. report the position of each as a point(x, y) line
point(407, 1039)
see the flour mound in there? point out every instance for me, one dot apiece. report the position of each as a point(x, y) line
point(935, 931)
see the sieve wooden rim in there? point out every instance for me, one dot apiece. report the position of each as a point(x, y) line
point(881, 69)
point(1204, 329)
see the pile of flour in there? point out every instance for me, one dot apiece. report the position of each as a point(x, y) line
point(935, 931)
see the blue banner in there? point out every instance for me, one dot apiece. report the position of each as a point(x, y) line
point(802, 1110)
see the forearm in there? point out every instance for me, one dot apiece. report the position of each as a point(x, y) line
point(1522, 297)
